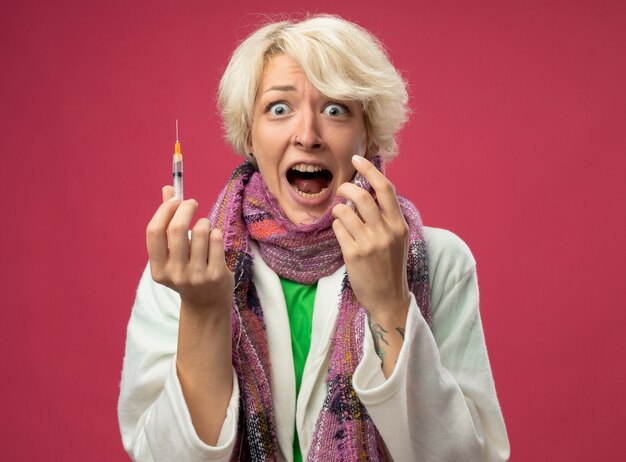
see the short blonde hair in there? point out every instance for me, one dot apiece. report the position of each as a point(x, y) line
point(341, 59)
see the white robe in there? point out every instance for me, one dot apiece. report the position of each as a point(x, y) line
point(439, 404)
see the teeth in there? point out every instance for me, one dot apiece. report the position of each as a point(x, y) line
point(310, 196)
point(307, 168)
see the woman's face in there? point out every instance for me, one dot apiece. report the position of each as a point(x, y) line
point(303, 141)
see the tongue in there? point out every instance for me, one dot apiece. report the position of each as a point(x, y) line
point(310, 186)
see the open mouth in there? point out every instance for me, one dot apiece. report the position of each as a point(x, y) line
point(309, 181)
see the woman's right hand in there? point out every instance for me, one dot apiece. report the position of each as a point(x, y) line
point(195, 268)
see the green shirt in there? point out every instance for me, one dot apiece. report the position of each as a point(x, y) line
point(299, 299)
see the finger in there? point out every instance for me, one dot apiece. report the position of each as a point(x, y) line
point(167, 192)
point(385, 192)
point(199, 256)
point(345, 239)
point(217, 258)
point(178, 232)
point(156, 233)
point(351, 222)
point(363, 201)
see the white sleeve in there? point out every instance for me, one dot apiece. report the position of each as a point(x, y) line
point(440, 402)
point(154, 419)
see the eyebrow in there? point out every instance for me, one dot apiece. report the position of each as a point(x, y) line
point(281, 88)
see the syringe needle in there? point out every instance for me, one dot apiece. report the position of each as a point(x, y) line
point(177, 168)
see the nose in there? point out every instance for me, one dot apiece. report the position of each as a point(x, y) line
point(307, 134)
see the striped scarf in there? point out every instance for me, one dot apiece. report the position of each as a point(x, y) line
point(246, 211)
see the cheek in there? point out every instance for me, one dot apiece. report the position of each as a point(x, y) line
point(268, 140)
point(269, 171)
point(268, 165)
point(353, 139)
point(272, 184)
point(350, 147)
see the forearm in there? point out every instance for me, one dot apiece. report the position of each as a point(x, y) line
point(387, 328)
point(441, 403)
point(204, 369)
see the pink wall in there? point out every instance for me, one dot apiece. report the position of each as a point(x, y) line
point(517, 143)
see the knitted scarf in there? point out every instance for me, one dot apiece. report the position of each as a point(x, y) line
point(246, 211)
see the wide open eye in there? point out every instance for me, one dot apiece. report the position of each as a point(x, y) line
point(278, 109)
point(335, 110)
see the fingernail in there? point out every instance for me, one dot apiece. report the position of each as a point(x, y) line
point(357, 159)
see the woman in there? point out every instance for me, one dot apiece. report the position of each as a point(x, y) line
point(312, 316)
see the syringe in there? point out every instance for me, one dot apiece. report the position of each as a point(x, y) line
point(177, 168)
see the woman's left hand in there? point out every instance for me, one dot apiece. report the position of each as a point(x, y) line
point(374, 245)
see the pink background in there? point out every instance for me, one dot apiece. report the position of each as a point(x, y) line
point(516, 143)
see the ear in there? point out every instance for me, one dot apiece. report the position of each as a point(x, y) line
point(249, 144)
point(249, 154)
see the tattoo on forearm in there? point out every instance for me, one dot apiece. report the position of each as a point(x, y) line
point(378, 333)
point(400, 331)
